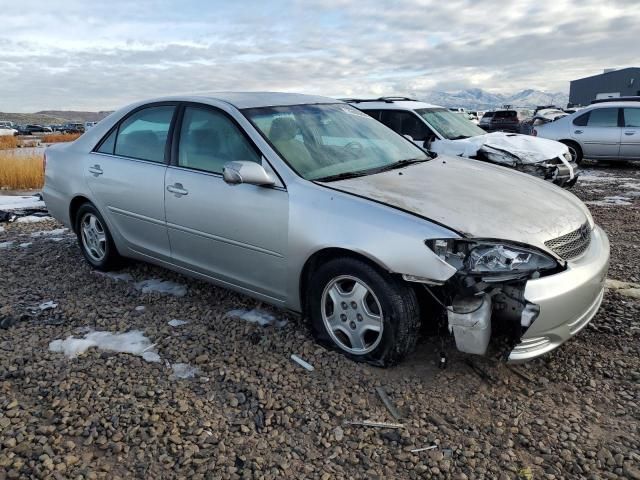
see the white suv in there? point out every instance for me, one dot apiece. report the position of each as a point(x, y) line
point(439, 130)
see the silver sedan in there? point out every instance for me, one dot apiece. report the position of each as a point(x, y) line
point(608, 130)
point(311, 205)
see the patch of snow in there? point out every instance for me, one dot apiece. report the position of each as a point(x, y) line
point(184, 370)
point(152, 357)
point(55, 239)
point(611, 201)
point(49, 233)
point(11, 202)
point(161, 286)
point(258, 316)
point(140, 308)
point(176, 323)
point(25, 245)
point(125, 277)
point(47, 305)
point(32, 219)
point(1, 229)
point(133, 342)
point(6, 244)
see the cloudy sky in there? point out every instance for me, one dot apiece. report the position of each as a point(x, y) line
point(77, 54)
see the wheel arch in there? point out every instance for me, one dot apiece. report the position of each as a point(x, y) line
point(572, 141)
point(325, 255)
point(74, 206)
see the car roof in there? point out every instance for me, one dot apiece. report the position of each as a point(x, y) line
point(242, 100)
point(388, 104)
point(621, 103)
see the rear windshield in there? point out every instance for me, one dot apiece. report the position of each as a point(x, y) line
point(507, 114)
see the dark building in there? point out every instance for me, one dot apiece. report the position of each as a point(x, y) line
point(615, 83)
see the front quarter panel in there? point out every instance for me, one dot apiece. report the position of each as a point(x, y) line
point(322, 218)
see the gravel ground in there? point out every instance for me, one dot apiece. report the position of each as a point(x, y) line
point(251, 412)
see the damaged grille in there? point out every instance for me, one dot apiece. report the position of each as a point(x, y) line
point(572, 244)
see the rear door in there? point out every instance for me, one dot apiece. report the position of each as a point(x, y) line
point(236, 234)
point(630, 139)
point(598, 133)
point(126, 175)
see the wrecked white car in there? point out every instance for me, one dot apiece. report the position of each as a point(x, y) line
point(309, 204)
point(439, 130)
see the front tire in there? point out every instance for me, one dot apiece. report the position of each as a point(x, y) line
point(95, 239)
point(362, 312)
point(574, 150)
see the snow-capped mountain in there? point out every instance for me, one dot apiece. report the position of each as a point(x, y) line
point(478, 99)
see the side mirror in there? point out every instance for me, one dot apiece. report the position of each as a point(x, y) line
point(252, 173)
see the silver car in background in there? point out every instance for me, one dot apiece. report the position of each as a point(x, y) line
point(308, 204)
point(607, 130)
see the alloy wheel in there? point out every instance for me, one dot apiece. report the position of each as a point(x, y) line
point(94, 238)
point(352, 315)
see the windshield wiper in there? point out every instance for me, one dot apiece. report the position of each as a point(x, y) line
point(460, 137)
point(399, 164)
point(342, 176)
point(370, 171)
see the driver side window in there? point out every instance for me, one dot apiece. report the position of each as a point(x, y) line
point(209, 139)
point(406, 123)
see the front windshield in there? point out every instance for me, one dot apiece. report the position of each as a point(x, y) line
point(451, 126)
point(333, 140)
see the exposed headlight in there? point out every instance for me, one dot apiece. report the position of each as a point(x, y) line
point(567, 156)
point(491, 258)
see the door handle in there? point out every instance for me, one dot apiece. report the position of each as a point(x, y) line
point(578, 132)
point(629, 133)
point(96, 170)
point(177, 189)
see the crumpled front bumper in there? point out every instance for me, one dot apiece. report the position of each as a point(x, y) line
point(566, 174)
point(568, 300)
point(559, 171)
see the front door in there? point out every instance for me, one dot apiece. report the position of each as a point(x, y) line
point(598, 133)
point(630, 139)
point(236, 234)
point(126, 175)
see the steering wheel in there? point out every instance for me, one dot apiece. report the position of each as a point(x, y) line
point(354, 148)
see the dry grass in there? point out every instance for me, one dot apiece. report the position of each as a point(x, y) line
point(21, 171)
point(8, 142)
point(60, 137)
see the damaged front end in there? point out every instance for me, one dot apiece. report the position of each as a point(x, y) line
point(560, 170)
point(486, 295)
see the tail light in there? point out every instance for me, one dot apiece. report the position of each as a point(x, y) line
point(44, 163)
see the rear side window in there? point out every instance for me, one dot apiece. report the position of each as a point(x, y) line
point(109, 143)
point(373, 113)
point(632, 117)
point(487, 116)
point(143, 135)
point(209, 139)
point(603, 117)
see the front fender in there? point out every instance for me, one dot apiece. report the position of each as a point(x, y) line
point(322, 218)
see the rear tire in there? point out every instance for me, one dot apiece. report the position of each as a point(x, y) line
point(574, 150)
point(362, 312)
point(95, 240)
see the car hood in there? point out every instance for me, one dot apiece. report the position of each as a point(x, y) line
point(476, 199)
point(527, 149)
